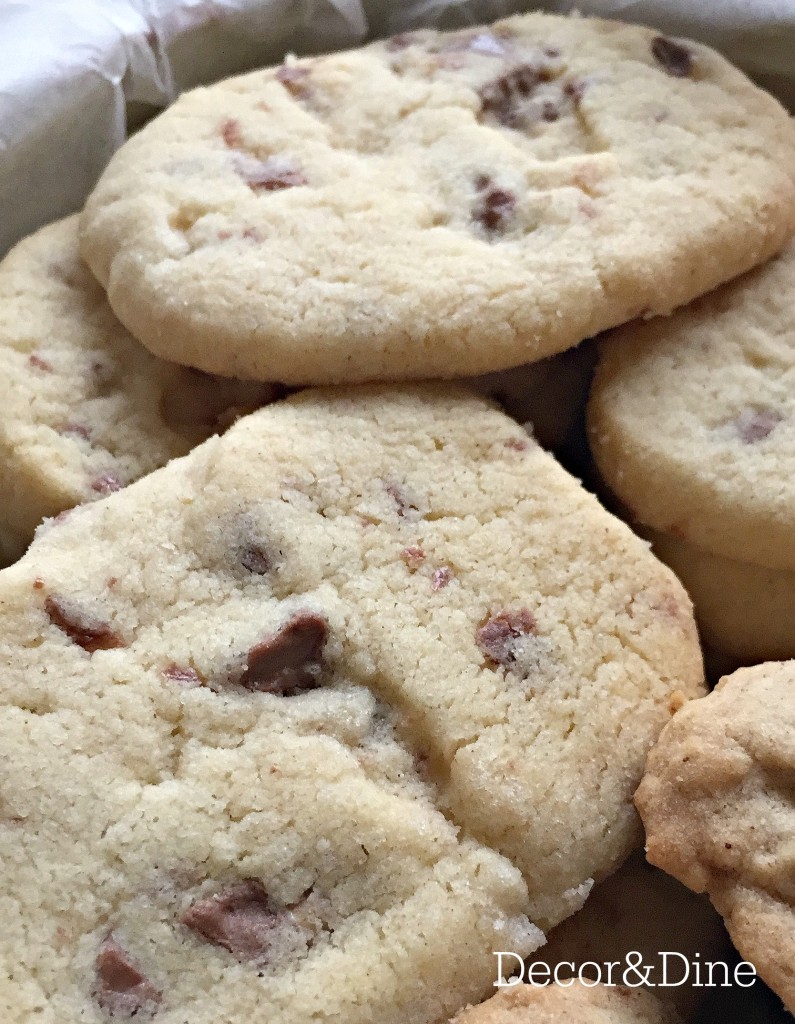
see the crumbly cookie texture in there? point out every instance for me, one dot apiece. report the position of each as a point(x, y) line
point(283, 719)
point(744, 610)
point(440, 205)
point(85, 408)
point(693, 419)
point(567, 1002)
point(640, 909)
point(718, 804)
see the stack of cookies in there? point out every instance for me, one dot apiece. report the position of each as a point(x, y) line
point(693, 429)
point(322, 680)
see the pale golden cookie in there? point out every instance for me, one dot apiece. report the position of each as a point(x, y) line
point(744, 610)
point(718, 803)
point(285, 723)
point(440, 205)
point(693, 419)
point(85, 409)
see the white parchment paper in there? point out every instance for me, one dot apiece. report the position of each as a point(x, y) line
point(77, 75)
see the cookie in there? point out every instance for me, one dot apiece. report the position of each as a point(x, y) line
point(285, 717)
point(86, 409)
point(639, 909)
point(570, 1001)
point(744, 610)
point(718, 804)
point(693, 419)
point(440, 205)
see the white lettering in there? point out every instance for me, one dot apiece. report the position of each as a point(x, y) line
point(665, 983)
point(748, 971)
point(530, 974)
point(501, 981)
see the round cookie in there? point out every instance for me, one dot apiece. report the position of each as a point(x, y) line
point(440, 205)
point(85, 408)
point(692, 419)
point(745, 610)
point(569, 1001)
point(639, 909)
point(285, 717)
point(718, 804)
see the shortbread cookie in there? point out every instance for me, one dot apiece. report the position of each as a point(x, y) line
point(571, 1002)
point(548, 397)
point(745, 610)
point(693, 419)
point(84, 408)
point(640, 909)
point(718, 804)
point(440, 205)
point(239, 692)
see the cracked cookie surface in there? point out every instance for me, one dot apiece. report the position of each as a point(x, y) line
point(692, 419)
point(440, 205)
point(320, 715)
point(86, 409)
point(718, 804)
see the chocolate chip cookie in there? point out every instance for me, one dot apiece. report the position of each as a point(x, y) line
point(85, 408)
point(440, 204)
point(319, 716)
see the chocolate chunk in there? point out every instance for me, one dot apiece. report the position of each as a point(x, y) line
point(400, 42)
point(499, 97)
point(498, 637)
point(758, 424)
point(106, 483)
point(494, 207)
point(289, 661)
point(76, 430)
point(575, 89)
point(271, 175)
point(183, 675)
point(123, 990)
point(517, 444)
point(87, 631)
point(231, 134)
point(294, 79)
point(255, 559)
point(675, 58)
point(39, 364)
point(441, 577)
point(240, 918)
point(413, 556)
